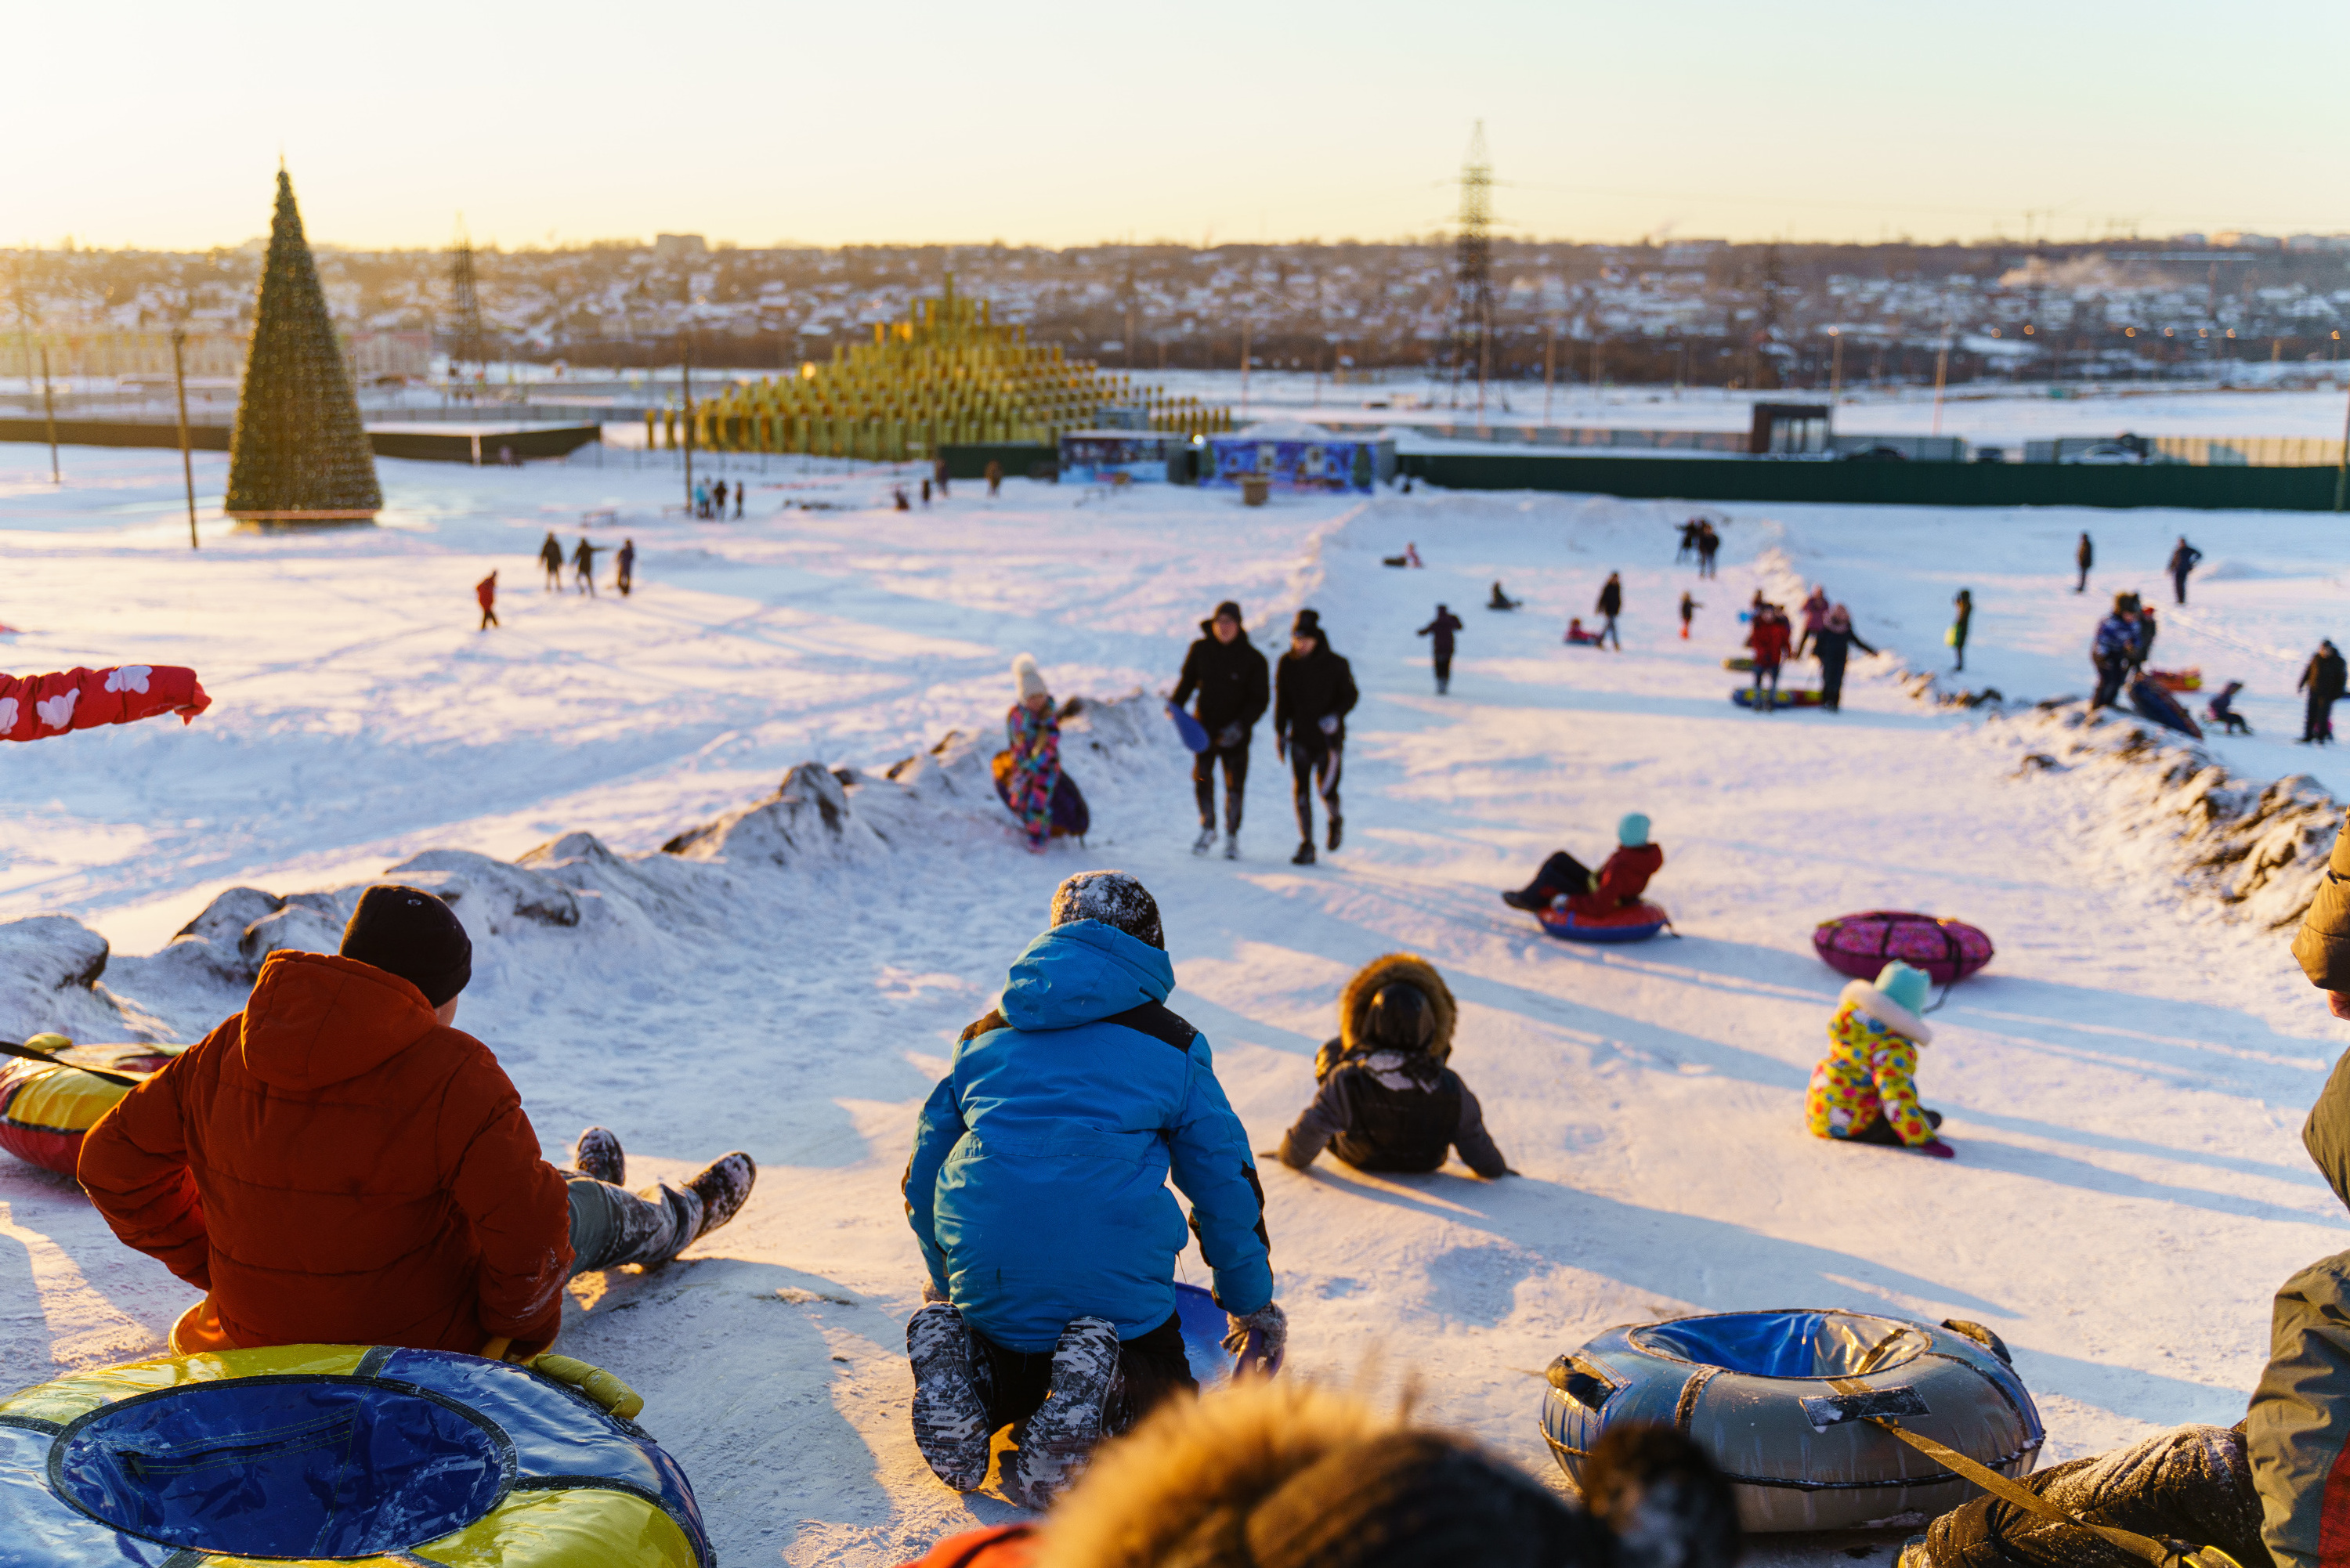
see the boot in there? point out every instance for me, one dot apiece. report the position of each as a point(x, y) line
point(1305, 855)
point(1205, 842)
point(950, 1423)
point(1337, 829)
point(1232, 845)
point(1057, 1440)
point(597, 1154)
point(723, 1186)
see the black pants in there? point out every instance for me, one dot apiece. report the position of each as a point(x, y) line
point(1443, 672)
point(1313, 770)
point(1152, 1368)
point(2111, 673)
point(2178, 586)
point(1562, 873)
point(1831, 684)
point(2318, 723)
point(489, 618)
point(2083, 585)
point(1203, 783)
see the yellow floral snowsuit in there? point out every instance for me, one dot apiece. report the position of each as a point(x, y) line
point(1870, 1070)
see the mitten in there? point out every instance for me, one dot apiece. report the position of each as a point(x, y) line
point(1938, 1150)
point(1271, 1326)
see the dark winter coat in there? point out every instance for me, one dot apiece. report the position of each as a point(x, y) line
point(2323, 944)
point(1380, 1108)
point(552, 553)
point(1833, 648)
point(1442, 628)
point(2117, 638)
point(1307, 691)
point(1611, 598)
point(2085, 555)
point(2183, 559)
point(2323, 676)
point(1230, 678)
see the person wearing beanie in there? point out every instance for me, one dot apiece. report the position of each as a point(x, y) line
point(1313, 692)
point(1032, 737)
point(1386, 1099)
point(1865, 1089)
point(1566, 882)
point(1285, 1473)
point(337, 1164)
point(1037, 1192)
point(1442, 628)
point(1229, 675)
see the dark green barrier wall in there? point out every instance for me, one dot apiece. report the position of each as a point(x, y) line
point(116, 433)
point(1886, 483)
point(971, 461)
point(433, 446)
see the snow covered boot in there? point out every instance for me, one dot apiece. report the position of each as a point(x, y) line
point(1231, 846)
point(1337, 830)
point(1305, 855)
point(1057, 1441)
point(1205, 842)
point(723, 1186)
point(950, 1425)
point(597, 1154)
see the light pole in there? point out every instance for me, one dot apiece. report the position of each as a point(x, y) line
point(49, 411)
point(685, 386)
point(187, 463)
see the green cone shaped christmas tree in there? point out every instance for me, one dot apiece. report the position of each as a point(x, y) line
point(300, 454)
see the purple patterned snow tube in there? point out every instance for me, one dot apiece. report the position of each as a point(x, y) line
point(1860, 945)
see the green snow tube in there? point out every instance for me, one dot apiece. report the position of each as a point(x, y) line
point(1785, 1403)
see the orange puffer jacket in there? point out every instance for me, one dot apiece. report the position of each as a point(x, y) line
point(336, 1168)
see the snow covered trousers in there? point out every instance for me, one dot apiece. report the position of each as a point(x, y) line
point(2191, 1483)
point(1313, 770)
point(1150, 1368)
point(612, 1226)
point(1203, 783)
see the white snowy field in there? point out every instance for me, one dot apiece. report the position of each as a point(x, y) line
point(2123, 1086)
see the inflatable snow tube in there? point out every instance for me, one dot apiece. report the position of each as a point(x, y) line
point(1632, 923)
point(1859, 945)
point(1205, 1328)
point(2155, 703)
point(1782, 1400)
point(311, 1453)
point(1792, 696)
point(46, 1107)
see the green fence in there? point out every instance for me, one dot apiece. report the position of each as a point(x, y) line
point(1018, 457)
point(1885, 484)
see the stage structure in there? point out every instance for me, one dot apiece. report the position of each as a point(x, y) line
point(1294, 456)
point(299, 455)
point(946, 376)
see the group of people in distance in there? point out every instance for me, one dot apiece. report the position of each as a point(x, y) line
point(1700, 539)
point(583, 565)
point(1311, 691)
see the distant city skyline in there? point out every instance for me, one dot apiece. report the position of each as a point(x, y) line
point(150, 126)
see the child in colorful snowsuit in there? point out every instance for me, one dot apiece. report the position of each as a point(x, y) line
point(1865, 1089)
point(1033, 736)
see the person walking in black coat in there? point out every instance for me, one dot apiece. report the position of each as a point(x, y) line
point(1313, 692)
point(1709, 545)
point(2324, 678)
point(1831, 645)
point(550, 555)
point(1610, 605)
point(2182, 561)
point(1228, 673)
point(627, 561)
point(2085, 555)
point(1442, 628)
point(583, 567)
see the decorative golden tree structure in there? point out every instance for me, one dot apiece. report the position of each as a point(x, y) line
point(298, 453)
point(946, 376)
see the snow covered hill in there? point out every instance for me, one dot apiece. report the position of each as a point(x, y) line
point(840, 894)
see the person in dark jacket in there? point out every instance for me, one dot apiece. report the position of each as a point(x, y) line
point(1228, 674)
point(1611, 605)
point(2113, 649)
point(1387, 1099)
point(2144, 642)
point(1038, 1193)
point(583, 567)
point(2221, 710)
point(1313, 692)
point(2323, 678)
point(627, 561)
point(1442, 628)
point(1963, 615)
point(550, 555)
point(2085, 555)
point(718, 500)
point(1501, 601)
point(1689, 606)
point(1832, 648)
point(1620, 880)
point(2182, 561)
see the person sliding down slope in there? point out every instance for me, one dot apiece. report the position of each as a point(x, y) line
point(1230, 676)
point(1592, 895)
point(1038, 1192)
point(1865, 1089)
point(1387, 1100)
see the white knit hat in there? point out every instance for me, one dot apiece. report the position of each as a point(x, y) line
point(1030, 678)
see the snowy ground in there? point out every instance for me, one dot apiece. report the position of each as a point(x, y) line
point(2124, 1085)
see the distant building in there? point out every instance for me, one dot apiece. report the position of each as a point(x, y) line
point(2237, 239)
point(677, 247)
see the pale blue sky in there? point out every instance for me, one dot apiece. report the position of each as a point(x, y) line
point(160, 124)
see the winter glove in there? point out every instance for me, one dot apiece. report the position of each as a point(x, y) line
point(1269, 1324)
point(1230, 735)
point(930, 1292)
point(1327, 724)
point(1938, 1150)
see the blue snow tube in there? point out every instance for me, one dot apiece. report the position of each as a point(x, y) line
point(1203, 1326)
point(314, 1453)
point(1783, 1401)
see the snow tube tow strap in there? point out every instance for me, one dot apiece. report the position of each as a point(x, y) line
point(311, 1453)
point(47, 1104)
point(1204, 1326)
point(1859, 945)
point(1632, 923)
point(1783, 1402)
point(35, 707)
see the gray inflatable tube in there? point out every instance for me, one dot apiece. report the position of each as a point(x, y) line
point(1780, 1401)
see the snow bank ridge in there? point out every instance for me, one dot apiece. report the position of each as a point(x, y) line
point(573, 890)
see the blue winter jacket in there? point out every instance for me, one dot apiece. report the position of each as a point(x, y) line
point(1038, 1186)
point(2117, 638)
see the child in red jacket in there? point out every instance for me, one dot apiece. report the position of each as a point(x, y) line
point(1768, 639)
point(1591, 894)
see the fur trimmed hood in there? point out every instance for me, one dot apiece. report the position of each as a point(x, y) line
point(1885, 1011)
point(1354, 1002)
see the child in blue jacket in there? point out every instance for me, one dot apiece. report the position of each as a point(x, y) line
point(1038, 1193)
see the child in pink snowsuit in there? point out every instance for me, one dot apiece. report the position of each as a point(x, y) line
point(1034, 736)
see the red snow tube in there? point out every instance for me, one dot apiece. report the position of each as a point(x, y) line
point(1632, 923)
point(46, 1106)
point(1859, 945)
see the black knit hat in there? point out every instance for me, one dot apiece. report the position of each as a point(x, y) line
point(1116, 899)
point(1307, 624)
point(1411, 1500)
point(1229, 607)
point(410, 933)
